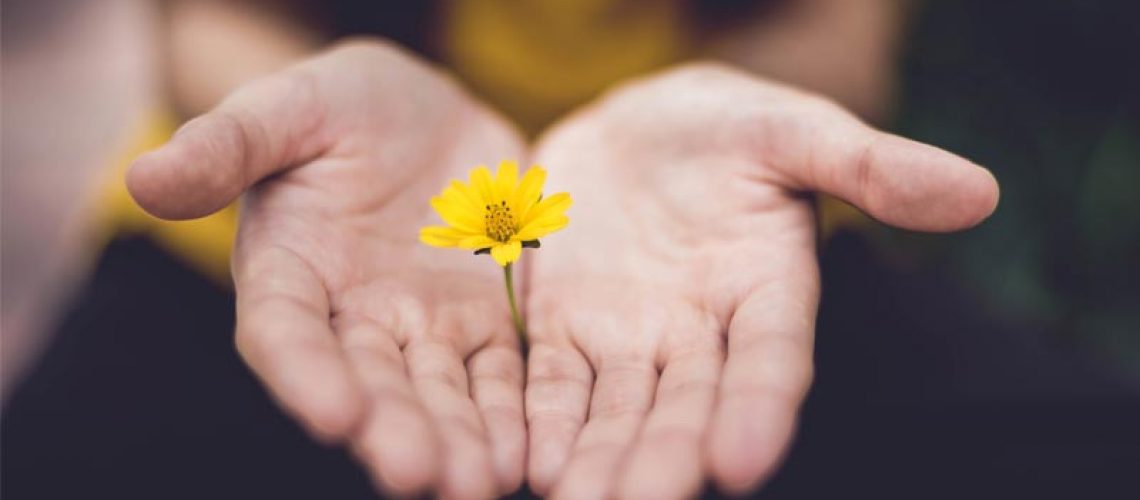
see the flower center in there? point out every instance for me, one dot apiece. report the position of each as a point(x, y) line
point(500, 222)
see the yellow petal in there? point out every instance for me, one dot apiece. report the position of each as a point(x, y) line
point(505, 253)
point(457, 217)
point(553, 205)
point(477, 242)
point(439, 236)
point(483, 184)
point(542, 227)
point(547, 218)
point(460, 195)
point(507, 179)
point(529, 189)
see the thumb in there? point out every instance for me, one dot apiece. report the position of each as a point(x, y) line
point(260, 129)
point(898, 181)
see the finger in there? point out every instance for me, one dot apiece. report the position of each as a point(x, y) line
point(666, 459)
point(283, 334)
point(623, 394)
point(440, 379)
point(559, 382)
point(496, 377)
point(263, 127)
point(896, 180)
point(397, 441)
point(766, 377)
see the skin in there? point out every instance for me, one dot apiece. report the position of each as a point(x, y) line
point(206, 48)
point(671, 324)
point(362, 333)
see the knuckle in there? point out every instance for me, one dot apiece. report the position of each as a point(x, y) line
point(704, 70)
point(245, 344)
point(506, 374)
point(370, 46)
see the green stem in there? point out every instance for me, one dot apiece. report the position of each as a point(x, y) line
point(520, 327)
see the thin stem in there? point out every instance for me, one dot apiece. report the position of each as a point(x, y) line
point(520, 327)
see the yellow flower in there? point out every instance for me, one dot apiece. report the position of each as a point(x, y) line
point(499, 215)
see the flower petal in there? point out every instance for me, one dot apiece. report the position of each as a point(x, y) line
point(507, 179)
point(530, 188)
point(476, 242)
point(542, 227)
point(460, 195)
point(483, 184)
point(546, 219)
point(505, 253)
point(440, 236)
point(457, 217)
point(553, 205)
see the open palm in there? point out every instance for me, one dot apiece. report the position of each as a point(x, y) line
point(672, 324)
point(359, 330)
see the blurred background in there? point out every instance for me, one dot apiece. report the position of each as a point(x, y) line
point(1001, 361)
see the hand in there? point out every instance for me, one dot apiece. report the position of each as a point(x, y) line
point(359, 330)
point(672, 322)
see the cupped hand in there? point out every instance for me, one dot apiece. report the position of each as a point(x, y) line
point(358, 330)
point(672, 323)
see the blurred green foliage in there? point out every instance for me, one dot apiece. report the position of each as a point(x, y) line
point(1046, 93)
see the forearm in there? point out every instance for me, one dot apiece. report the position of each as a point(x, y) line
point(841, 48)
point(212, 46)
